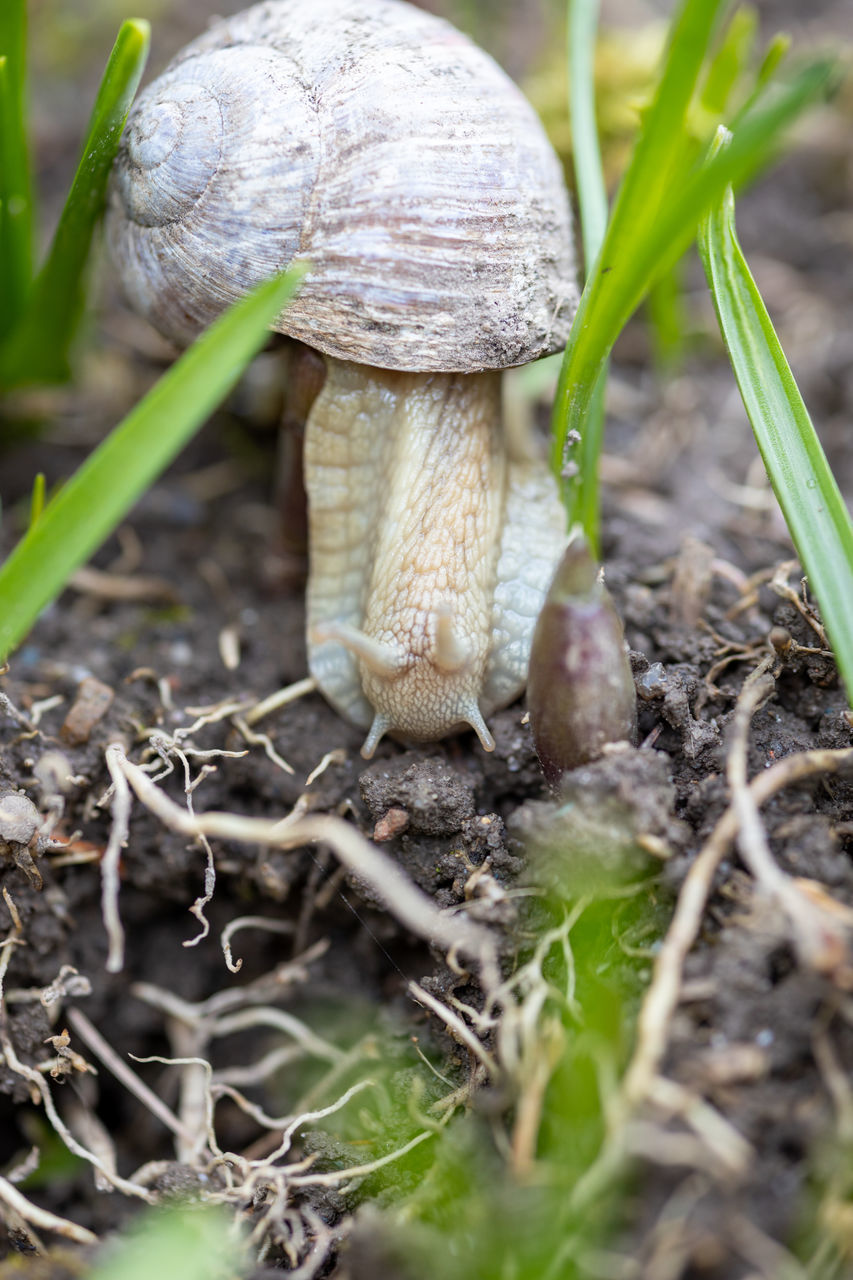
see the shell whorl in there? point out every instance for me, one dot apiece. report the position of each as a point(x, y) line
point(210, 192)
point(173, 151)
point(377, 142)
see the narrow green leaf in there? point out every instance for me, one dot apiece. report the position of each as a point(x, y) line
point(16, 212)
point(760, 130)
point(86, 509)
point(668, 317)
point(804, 485)
point(586, 153)
point(776, 53)
point(726, 69)
point(634, 255)
point(38, 349)
point(37, 499)
point(646, 186)
point(583, 485)
point(773, 59)
point(582, 474)
point(664, 137)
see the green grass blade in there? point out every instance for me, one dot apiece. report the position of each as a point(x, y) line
point(759, 132)
point(804, 485)
point(90, 505)
point(592, 199)
point(586, 153)
point(16, 212)
point(664, 138)
point(637, 251)
point(777, 51)
point(37, 501)
point(727, 67)
point(644, 188)
point(38, 349)
point(668, 318)
point(691, 90)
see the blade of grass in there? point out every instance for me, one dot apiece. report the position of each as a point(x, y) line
point(727, 67)
point(664, 138)
point(37, 500)
point(635, 254)
point(676, 225)
point(777, 52)
point(38, 349)
point(90, 505)
point(667, 317)
point(592, 200)
point(586, 153)
point(643, 189)
point(16, 214)
point(804, 485)
point(667, 144)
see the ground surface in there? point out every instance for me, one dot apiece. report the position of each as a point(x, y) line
point(736, 1111)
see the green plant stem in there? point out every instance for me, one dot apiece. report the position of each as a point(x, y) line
point(38, 349)
point(796, 465)
point(90, 505)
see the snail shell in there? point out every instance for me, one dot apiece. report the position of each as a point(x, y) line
point(375, 141)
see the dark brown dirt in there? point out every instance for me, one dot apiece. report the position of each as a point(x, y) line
point(693, 547)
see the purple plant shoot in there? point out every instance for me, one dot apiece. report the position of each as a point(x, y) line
point(580, 690)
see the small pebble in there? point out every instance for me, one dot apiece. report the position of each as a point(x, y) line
point(19, 819)
point(390, 824)
point(91, 704)
point(652, 683)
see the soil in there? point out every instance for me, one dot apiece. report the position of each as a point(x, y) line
point(733, 1155)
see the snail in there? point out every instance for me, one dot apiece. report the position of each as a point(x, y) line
point(382, 146)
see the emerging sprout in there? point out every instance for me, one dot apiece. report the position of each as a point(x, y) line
point(580, 690)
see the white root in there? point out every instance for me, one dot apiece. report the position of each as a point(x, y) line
point(248, 922)
point(97, 1045)
point(387, 881)
point(43, 1218)
point(110, 866)
point(39, 1087)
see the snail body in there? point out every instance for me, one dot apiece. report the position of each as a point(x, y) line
point(376, 142)
point(431, 550)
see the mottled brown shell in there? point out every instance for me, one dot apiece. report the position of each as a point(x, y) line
point(372, 139)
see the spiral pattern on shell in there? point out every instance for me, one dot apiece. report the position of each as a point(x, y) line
point(175, 148)
point(373, 140)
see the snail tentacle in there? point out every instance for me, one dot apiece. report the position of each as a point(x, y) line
point(383, 660)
